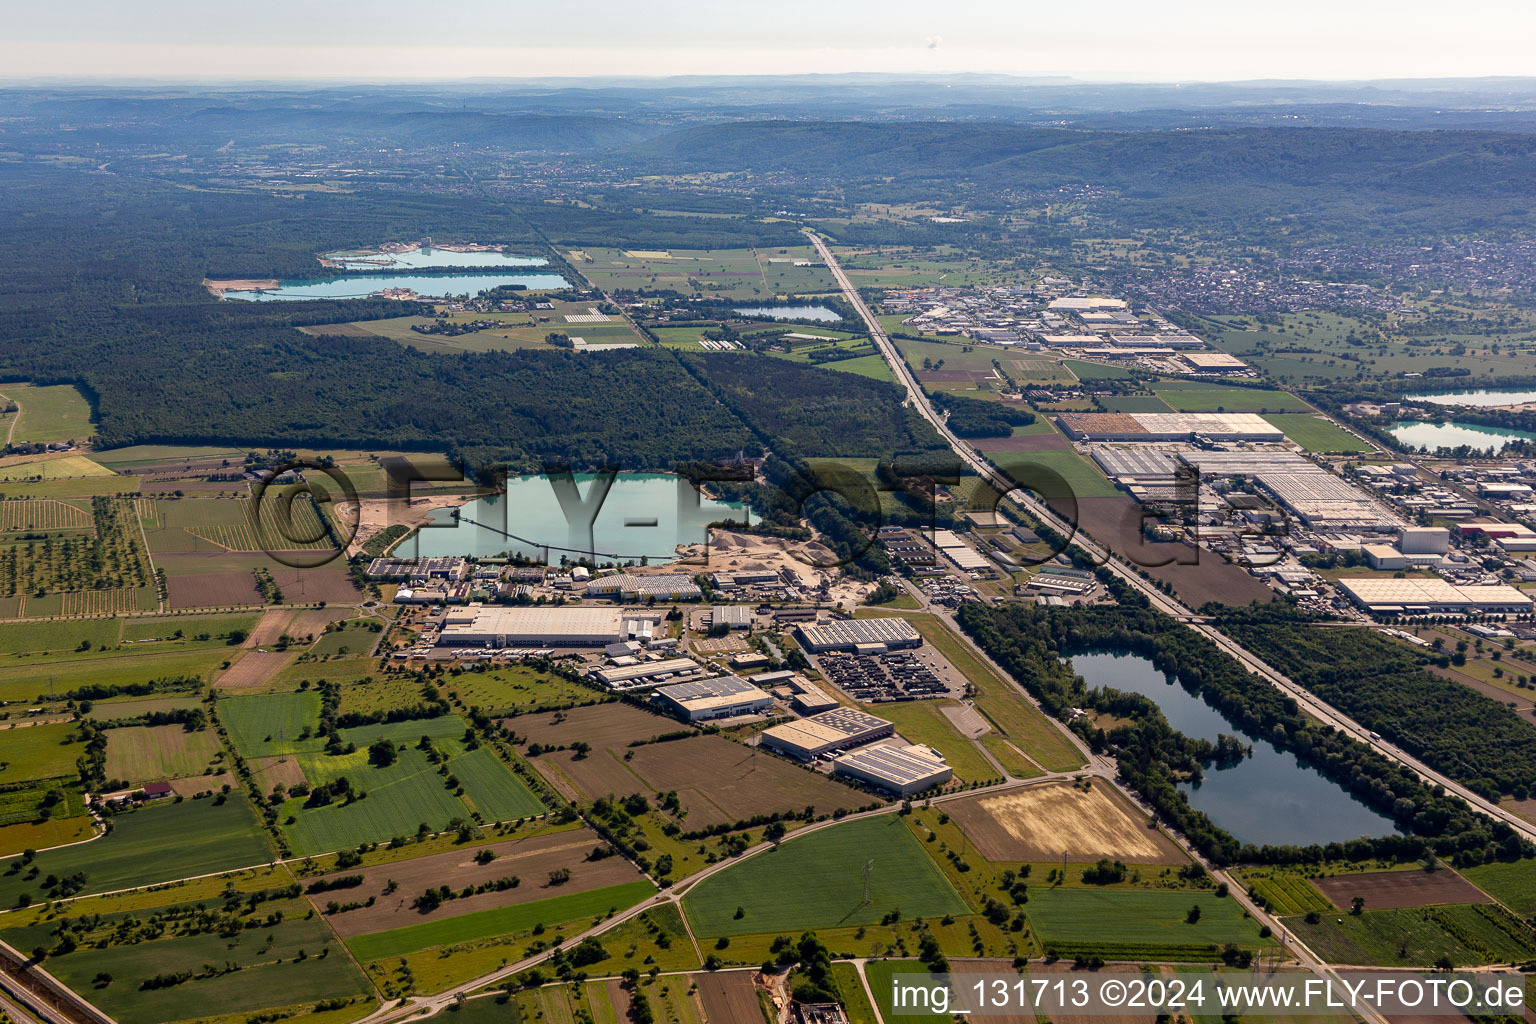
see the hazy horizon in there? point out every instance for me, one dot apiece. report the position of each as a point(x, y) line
point(1200, 41)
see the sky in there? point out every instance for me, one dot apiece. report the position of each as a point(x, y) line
point(1110, 40)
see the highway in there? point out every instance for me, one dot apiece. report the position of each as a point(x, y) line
point(1165, 603)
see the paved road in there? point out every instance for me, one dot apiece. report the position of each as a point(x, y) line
point(1319, 709)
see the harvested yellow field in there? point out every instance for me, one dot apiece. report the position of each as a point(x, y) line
point(1061, 821)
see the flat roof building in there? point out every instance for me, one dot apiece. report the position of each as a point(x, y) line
point(653, 587)
point(851, 634)
point(721, 697)
point(1168, 426)
point(732, 616)
point(838, 729)
point(901, 771)
point(644, 673)
point(1426, 596)
point(497, 626)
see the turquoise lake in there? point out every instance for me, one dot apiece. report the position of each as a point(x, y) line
point(428, 259)
point(821, 313)
point(1487, 398)
point(426, 285)
point(1418, 434)
point(1270, 797)
point(644, 515)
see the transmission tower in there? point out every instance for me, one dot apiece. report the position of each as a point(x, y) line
point(868, 867)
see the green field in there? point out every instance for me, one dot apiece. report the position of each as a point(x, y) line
point(59, 636)
point(491, 787)
point(1129, 924)
point(35, 678)
point(1512, 883)
point(52, 413)
point(146, 753)
point(217, 627)
point(53, 469)
point(1316, 433)
point(485, 924)
point(1474, 933)
point(1194, 396)
point(1095, 371)
point(1285, 890)
point(1082, 477)
point(407, 794)
point(817, 881)
point(295, 961)
point(38, 752)
point(400, 798)
point(1134, 403)
point(272, 724)
point(155, 844)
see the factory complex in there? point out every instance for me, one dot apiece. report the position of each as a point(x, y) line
point(720, 697)
point(500, 626)
point(809, 738)
point(1169, 426)
point(864, 636)
point(902, 771)
point(1432, 596)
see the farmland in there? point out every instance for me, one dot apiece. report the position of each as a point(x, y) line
point(384, 801)
point(262, 961)
point(1316, 433)
point(57, 412)
point(503, 921)
point(718, 782)
point(818, 881)
point(1389, 890)
point(1284, 890)
point(38, 752)
point(1512, 883)
point(273, 723)
point(1062, 822)
point(1464, 934)
point(1194, 396)
point(109, 556)
point(146, 753)
point(155, 844)
point(395, 887)
point(1135, 924)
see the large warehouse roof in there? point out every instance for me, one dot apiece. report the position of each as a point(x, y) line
point(902, 770)
point(830, 730)
point(1153, 426)
point(849, 633)
point(479, 625)
point(1413, 594)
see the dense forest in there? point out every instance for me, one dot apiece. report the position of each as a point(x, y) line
point(1386, 687)
point(803, 412)
point(104, 290)
point(1030, 642)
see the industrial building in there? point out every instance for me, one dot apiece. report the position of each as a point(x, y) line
point(640, 674)
point(1212, 362)
point(1426, 596)
point(901, 771)
point(1168, 426)
point(484, 626)
point(959, 552)
point(721, 697)
point(452, 568)
point(861, 635)
point(1318, 498)
point(731, 616)
point(654, 587)
point(838, 729)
